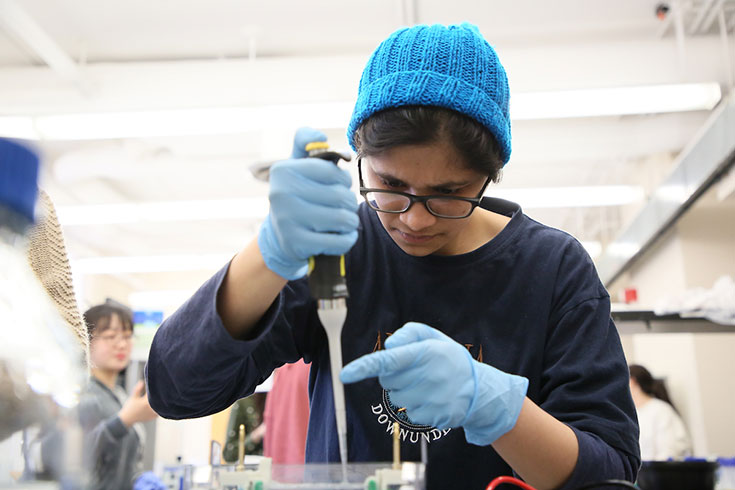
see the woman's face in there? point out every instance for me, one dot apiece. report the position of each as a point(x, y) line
point(432, 169)
point(110, 349)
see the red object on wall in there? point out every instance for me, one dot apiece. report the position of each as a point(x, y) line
point(631, 295)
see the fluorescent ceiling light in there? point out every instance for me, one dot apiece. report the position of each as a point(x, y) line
point(624, 249)
point(620, 101)
point(256, 208)
point(252, 208)
point(155, 263)
point(652, 99)
point(179, 122)
point(593, 248)
point(173, 263)
point(17, 127)
point(673, 193)
point(571, 197)
point(155, 299)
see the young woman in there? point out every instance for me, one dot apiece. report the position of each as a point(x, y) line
point(113, 439)
point(477, 329)
point(663, 434)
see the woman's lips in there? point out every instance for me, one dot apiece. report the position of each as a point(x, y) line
point(121, 357)
point(415, 239)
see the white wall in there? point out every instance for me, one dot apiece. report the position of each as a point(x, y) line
point(188, 439)
point(708, 235)
point(716, 370)
point(661, 273)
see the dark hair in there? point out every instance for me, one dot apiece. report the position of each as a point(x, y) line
point(413, 125)
point(651, 386)
point(98, 318)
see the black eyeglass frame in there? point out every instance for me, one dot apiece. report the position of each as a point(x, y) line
point(412, 198)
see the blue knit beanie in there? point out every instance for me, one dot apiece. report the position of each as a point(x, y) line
point(446, 66)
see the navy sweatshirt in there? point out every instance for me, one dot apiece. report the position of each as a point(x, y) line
point(528, 302)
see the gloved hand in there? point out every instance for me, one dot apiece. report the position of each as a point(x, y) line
point(149, 481)
point(312, 210)
point(440, 384)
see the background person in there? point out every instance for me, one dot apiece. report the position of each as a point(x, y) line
point(662, 432)
point(113, 437)
point(247, 411)
point(287, 414)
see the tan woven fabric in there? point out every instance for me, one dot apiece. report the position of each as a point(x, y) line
point(47, 255)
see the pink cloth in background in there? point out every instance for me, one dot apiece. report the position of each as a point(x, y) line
point(286, 414)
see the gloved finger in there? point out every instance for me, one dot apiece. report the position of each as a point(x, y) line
point(423, 409)
point(321, 219)
point(313, 243)
point(429, 414)
point(414, 332)
point(337, 221)
point(383, 362)
point(303, 137)
point(314, 169)
point(332, 195)
point(338, 244)
point(411, 378)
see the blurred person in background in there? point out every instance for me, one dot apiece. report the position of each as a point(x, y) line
point(246, 411)
point(277, 431)
point(287, 414)
point(113, 435)
point(663, 434)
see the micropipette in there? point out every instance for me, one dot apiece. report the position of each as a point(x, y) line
point(328, 286)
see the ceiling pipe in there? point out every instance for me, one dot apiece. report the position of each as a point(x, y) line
point(701, 164)
point(711, 16)
point(26, 30)
point(706, 6)
point(727, 61)
point(408, 12)
point(678, 14)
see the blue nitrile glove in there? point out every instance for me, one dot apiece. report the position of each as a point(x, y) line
point(149, 481)
point(440, 385)
point(312, 210)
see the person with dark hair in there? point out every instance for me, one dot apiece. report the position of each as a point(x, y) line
point(113, 436)
point(480, 331)
point(662, 432)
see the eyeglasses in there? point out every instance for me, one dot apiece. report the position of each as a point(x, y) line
point(115, 337)
point(396, 202)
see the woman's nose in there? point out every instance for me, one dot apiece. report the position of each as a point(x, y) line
point(417, 217)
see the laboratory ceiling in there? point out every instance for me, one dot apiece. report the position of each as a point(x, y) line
point(150, 113)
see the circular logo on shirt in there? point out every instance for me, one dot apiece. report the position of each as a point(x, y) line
point(400, 415)
point(387, 413)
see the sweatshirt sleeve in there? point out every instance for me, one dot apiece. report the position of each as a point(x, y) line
point(585, 380)
point(102, 437)
point(195, 368)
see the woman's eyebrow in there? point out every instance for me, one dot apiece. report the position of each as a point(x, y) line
point(443, 185)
